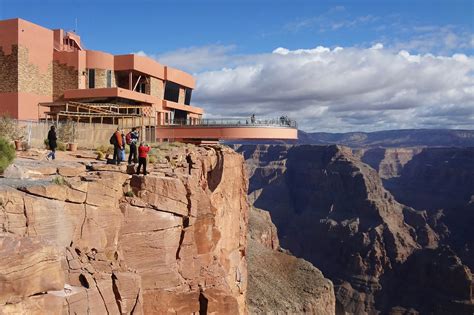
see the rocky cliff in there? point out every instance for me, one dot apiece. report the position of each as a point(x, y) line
point(86, 238)
point(280, 283)
point(333, 210)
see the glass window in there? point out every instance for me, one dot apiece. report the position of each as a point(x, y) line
point(187, 98)
point(91, 78)
point(171, 91)
point(109, 78)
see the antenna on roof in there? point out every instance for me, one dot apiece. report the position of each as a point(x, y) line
point(75, 28)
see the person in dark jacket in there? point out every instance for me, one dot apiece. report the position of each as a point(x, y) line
point(134, 136)
point(52, 142)
point(143, 150)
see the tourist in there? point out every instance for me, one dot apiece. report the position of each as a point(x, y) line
point(117, 141)
point(252, 119)
point(52, 143)
point(122, 151)
point(143, 150)
point(132, 140)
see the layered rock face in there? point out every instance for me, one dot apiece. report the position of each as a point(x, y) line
point(333, 210)
point(388, 162)
point(280, 283)
point(436, 178)
point(99, 241)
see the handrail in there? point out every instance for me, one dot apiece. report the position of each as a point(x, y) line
point(283, 122)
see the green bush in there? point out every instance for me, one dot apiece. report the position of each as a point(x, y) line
point(129, 194)
point(7, 154)
point(59, 180)
point(10, 130)
point(105, 149)
point(61, 146)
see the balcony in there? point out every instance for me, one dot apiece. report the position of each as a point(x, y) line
point(79, 94)
point(228, 129)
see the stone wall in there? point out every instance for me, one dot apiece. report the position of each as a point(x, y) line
point(101, 79)
point(30, 78)
point(9, 70)
point(182, 95)
point(64, 78)
point(157, 88)
point(88, 136)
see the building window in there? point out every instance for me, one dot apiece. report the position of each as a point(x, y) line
point(187, 97)
point(171, 91)
point(91, 78)
point(109, 78)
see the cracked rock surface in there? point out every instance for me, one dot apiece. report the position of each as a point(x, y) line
point(100, 241)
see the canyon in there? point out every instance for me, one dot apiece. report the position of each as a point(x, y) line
point(389, 226)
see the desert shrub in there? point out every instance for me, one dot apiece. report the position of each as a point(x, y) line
point(7, 154)
point(10, 130)
point(100, 155)
point(59, 180)
point(67, 132)
point(105, 149)
point(61, 146)
point(152, 159)
point(129, 194)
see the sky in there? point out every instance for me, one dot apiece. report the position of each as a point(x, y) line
point(334, 66)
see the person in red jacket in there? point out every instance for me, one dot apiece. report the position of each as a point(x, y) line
point(143, 150)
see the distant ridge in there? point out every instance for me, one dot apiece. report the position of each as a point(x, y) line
point(388, 138)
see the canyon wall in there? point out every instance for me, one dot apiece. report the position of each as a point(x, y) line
point(333, 210)
point(80, 237)
point(280, 283)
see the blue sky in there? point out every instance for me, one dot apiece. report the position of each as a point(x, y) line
point(333, 66)
point(251, 26)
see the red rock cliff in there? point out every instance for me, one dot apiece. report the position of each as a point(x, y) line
point(104, 242)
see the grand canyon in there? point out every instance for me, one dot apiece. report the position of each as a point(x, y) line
point(389, 225)
point(258, 229)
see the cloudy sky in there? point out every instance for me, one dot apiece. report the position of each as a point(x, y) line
point(332, 66)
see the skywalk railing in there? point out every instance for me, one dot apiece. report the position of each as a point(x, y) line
point(282, 122)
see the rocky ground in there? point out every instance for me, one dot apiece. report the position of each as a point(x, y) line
point(382, 256)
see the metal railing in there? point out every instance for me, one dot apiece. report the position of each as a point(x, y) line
point(282, 122)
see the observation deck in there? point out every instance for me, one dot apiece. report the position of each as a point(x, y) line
point(228, 129)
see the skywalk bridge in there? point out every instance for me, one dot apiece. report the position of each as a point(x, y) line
point(213, 129)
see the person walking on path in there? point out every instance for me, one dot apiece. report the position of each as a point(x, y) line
point(143, 150)
point(52, 138)
point(117, 141)
point(132, 140)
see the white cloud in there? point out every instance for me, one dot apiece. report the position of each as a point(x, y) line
point(194, 59)
point(344, 89)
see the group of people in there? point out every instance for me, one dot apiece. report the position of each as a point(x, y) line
point(119, 140)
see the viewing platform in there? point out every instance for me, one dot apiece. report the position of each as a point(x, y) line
point(228, 129)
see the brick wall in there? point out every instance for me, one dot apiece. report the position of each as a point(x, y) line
point(182, 95)
point(30, 78)
point(101, 78)
point(157, 88)
point(9, 70)
point(64, 78)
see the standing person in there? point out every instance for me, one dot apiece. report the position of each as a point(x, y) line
point(52, 143)
point(252, 119)
point(122, 151)
point(116, 140)
point(132, 140)
point(143, 150)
